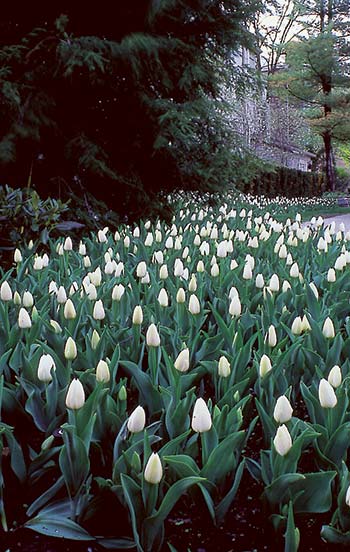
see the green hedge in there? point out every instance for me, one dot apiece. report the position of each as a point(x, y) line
point(287, 182)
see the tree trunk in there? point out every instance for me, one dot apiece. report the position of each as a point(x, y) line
point(329, 157)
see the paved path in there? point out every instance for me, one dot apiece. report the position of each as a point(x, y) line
point(338, 219)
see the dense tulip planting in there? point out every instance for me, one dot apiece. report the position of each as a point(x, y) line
point(137, 365)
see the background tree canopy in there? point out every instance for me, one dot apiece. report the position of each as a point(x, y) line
point(122, 98)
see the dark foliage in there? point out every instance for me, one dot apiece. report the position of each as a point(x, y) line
point(120, 98)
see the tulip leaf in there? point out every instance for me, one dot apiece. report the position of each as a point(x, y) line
point(132, 494)
point(152, 525)
point(222, 508)
point(221, 459)
point(116, 544)
point(282, 485)
point(45, 497)
point(57, 526)
point(334, 536)
point(292, 535)
point(338, 444)
point(74, 461)
point(183, 464)
point(316, 496)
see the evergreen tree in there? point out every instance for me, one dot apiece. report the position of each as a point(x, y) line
point(121, 97)
point(318, 74)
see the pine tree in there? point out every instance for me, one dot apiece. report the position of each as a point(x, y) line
point(122, 98)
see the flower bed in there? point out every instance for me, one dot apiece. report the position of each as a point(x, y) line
point(160, 370)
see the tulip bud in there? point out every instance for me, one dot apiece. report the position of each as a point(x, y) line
point(28, 300)
point(331, 277)
point(283, 410)
point(347, 496)
point(70, 350)
point(98, 312)
point(194, 305)
point(152, 336)
point(46, 444)
point(201, 418)
point(224, 367)
point(297, 326)
point(328, 329)
point(264, 366)
point(137, 420)
point(182, 362)
point(247, 272)
point(24, 320)
point(259, 281)
point(305, 324)
point(5, 292)
point(163, 272)
point(192, 286)
point(95, 339)
point(274, 284)
point(137, 317)
point(181, 296)
point(87, 262)
point(153, 471)
point(102, 372)
point(46, 362)
point(141, 269)
point(282, 441)
point(57, 328)
point(69, 311)
point(82, 249)
point(68, 245)
point(118, 292)
point(235, 308)
point(326, 394)
point(16, 298)
point(163, 299)
point(17, 257)
point(61, 295)
point(215, 271)
point(122, 394)
point(335, 376)
point(75, 397)
point(294, 270)
point(200, 266)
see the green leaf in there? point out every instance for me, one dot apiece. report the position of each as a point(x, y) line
point(292, 535)
point(58, 527)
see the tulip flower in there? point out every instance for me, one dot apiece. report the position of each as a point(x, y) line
point(305, 324)
point(271, 336)
point(24, 320)
point(46, 363)
point(297, 326)
point(17, 257)
point(247, 272)
point(69, 311)
point(201, 418)
point(28, 300)
point(283, 410)
point(153, 471)
point(118, 292)
point(70, 350)
point(5, 292)
point(328, 329)
point(98, 312)
point(61, 295)
point(259, 281)
point(182, 362)
point(224, 367)
point(282, 441)
point(331, 277)
point(326, 394)
point(137, 317)
point(194, 305)
point(274, 284)
point(335, 376)
point(137, 420)
point(75, 397)
point(163, 298)
point(102, 372)
point(17, 298)
point(264, 366)
point(235, 308)
point(141, 269)
point(163, 272)
point(192, 286)
point(68, 245)
point(95, 339)
point(152, 336)
point(294, 271)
